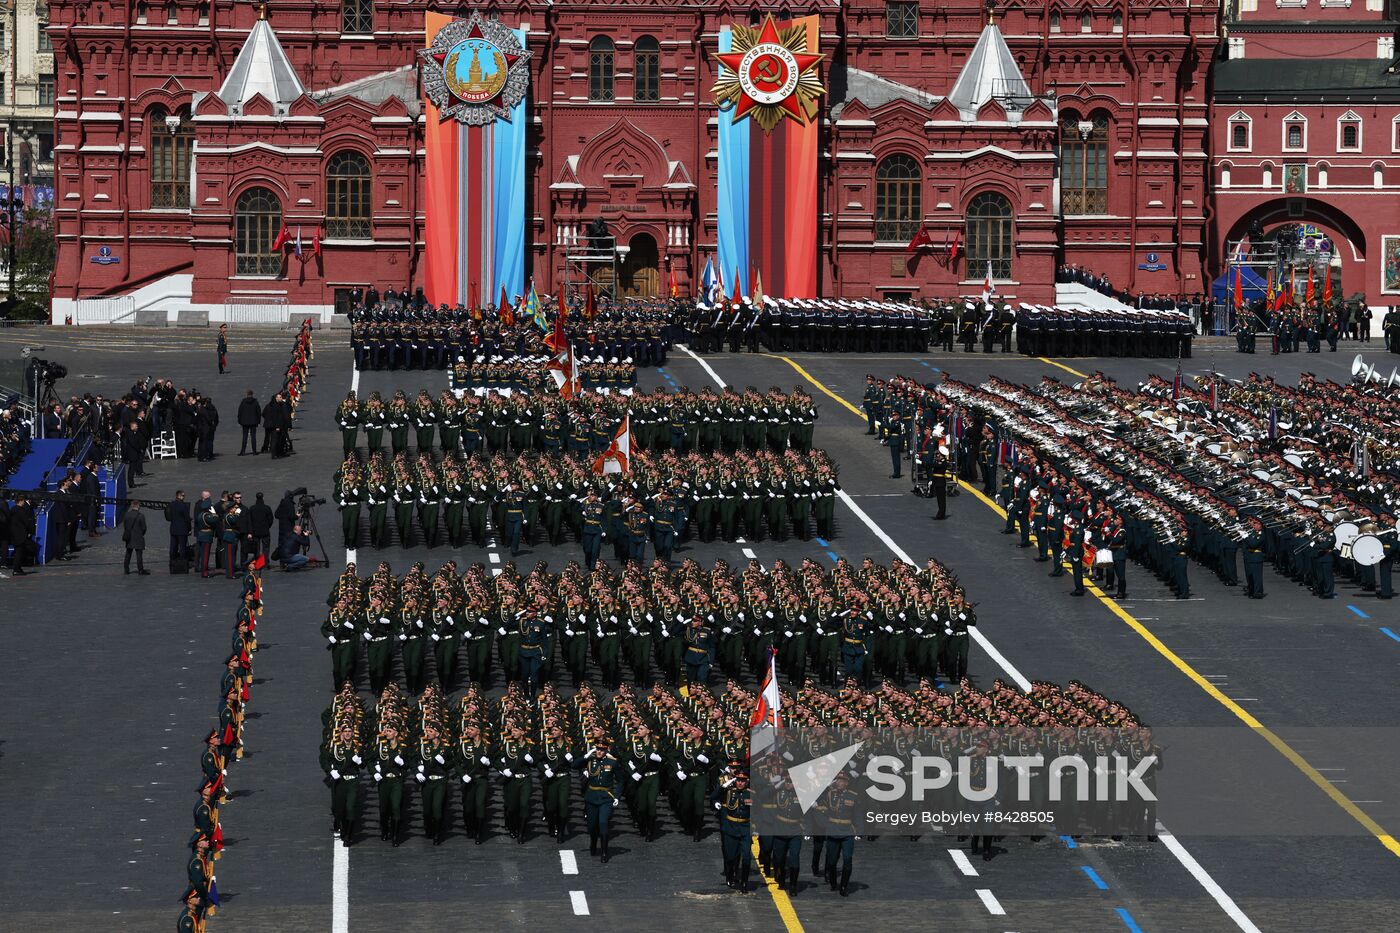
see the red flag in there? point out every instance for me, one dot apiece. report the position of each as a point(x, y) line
point(282, 237)
point(766, 710)
point(590, 302)
point(503, 310)
point(1308, 293)
point(956, 248)
point(1327, 287)
point(617, 458)
point(557, 340)
point(1239, 290)
point(260, 562)
point(675, 284)
point(316, 243)
point(738, 292)
point(471, 295)
point(921, 239)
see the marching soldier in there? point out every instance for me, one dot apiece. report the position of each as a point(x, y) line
point(602, 778)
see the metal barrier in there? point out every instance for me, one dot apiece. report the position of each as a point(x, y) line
point(256, 311)
point(120, 310)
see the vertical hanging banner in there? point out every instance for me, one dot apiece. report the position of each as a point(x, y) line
point(768, 92)
point(475, 79)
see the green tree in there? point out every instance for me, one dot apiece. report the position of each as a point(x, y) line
point(35, 252)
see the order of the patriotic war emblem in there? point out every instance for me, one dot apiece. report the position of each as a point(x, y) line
point(475, 71)
point(769, 75)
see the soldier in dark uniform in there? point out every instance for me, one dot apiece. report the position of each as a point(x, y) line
point(602, 779)
point(732, 801)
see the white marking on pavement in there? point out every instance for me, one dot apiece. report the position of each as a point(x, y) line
point(989, 900)
point(1206, 881)
point(350, 555)
point(964, 866)
point(1176, 848)
point(354, 380)
point(340, 889)
point(568, 862)
point(494, 557)
point(748, 552)
point(580, 901)
point(703, 365)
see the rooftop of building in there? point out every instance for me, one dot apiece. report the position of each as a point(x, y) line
point(1288, 79)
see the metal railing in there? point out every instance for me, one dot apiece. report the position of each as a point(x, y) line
point(256, 311)
point(120, 310)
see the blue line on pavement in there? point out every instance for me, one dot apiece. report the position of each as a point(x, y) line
point(1094, 877)
point(1069, 842)
point(1358, 612)
point(1390, 634)
point(832, 555)
point(1128, 919)
point(823, 543)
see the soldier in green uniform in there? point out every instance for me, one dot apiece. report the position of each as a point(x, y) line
point(378, 631)
point(956, 637)
point(473, 764)
point(644, 761)
point(411, 632)
point(432, 776)
point(374, 418)
point(400, 418)
point(533, 642)
point(425, 419)
point(838, 806)
point(348, 416)
point(517, 764)
point(390, 766)
point(556, 762)
point(341, 632)
point(342, 760)
point(350, 486)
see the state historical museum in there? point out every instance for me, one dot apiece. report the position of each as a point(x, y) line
point(217, 153)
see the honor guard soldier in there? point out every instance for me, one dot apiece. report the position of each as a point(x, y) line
point(732, 801)
point(601, 779)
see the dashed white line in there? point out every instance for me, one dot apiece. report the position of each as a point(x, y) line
point(748, 552)
point(580, 901)
point(1226, 903)
point(989, 901)
point(350, 555)
point(494, 557)
point(703, 365)
point(960, 860)
point(568, 862)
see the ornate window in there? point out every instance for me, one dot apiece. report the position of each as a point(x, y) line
point(600, 69)
point(1054, 20)
point(646, 70)
point(348, 196)
point(141, 11)
point(1084, 165)
point(1117, 20)
point(1348, 132)
point(257, 219)
point(898, 201)
point(172, 148)
point(901, 19)
point(357, 17)
point(172, 14)
point(1295, 132)
point(988, 236)
point(1086, 21)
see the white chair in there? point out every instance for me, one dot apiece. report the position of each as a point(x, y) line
point(163, 446)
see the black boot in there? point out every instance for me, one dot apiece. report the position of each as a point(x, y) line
point(394, 833)
point(744, 877)
point(846, 881)
point(729, 872)
point(831, 876)
point(606, 854)
point(592, 843)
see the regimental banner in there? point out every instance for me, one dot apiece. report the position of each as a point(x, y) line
point(769, 92)
point(475, 81)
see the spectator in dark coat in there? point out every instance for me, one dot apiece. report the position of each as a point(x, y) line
point(185, 432)
point(206, 422)
point(255, 527)
point(249, 417)
point(269, 419)
point(277, 421)
point(177, 513)
point(134, 534)
point(22, 535)
point(133, 452)
point(90, 485)
point(286, 515)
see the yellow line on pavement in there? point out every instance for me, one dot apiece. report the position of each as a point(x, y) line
point(1281, 746)
point(780, 898)
point(1045, 359)
point(816, 382)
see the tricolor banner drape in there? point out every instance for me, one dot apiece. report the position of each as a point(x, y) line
point(767, 204)
point(475, 212)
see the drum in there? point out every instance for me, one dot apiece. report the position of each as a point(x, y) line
point(1103, 557)
point(1215, 448)
point(1307, 503)
point(1367, 550)
point(1260, 474)
point(1344, 534)
point(1293, 459)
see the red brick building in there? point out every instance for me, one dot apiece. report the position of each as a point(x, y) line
point(1072, 132)
point(1306, 133)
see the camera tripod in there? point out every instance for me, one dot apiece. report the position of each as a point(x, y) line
point(308, 514)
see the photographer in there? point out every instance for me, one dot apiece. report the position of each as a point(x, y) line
point(293, 549)
point(255, 528)
point(286, 515)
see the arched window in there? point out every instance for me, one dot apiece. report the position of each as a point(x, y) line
point(141, 13)
point(172, 147)
point(1054, 20)
point(1086, 21)
point(600, 69)
point(257, 219)
point(172, 14)
point(1084, 165)
point(348, 196)
point(1117, 20)
point(357, 17)
point(203, 11)
point(646, 70)
point(898, 202)
point(988, 236)
point(1239, 136)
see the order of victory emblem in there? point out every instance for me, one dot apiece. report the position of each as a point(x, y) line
point(769, 75)
point(475, 71)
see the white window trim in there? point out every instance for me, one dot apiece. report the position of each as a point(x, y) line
point(1292, 118)
point(1395, 134)
point(1351, 118)
point(1239, 117)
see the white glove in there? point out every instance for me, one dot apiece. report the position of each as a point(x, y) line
point(420, 778)
point(466, 779)
point(368, 636)
point(335, 775)
point(378, 778)
point(636, 777)
point(398, 759)
point(548, 771)
point(506, 772)
point(702, 759)
point(654, 757)
point(529, 759)
point(439, 759)
point(485, 761)
point(331, 638)
point(403, 638)
point(568, 756)
point(357, 759)
point(436, 637)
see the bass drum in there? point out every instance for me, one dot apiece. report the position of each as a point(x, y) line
point(1103, 557)
point(1344, 534)
point(1367, 550)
